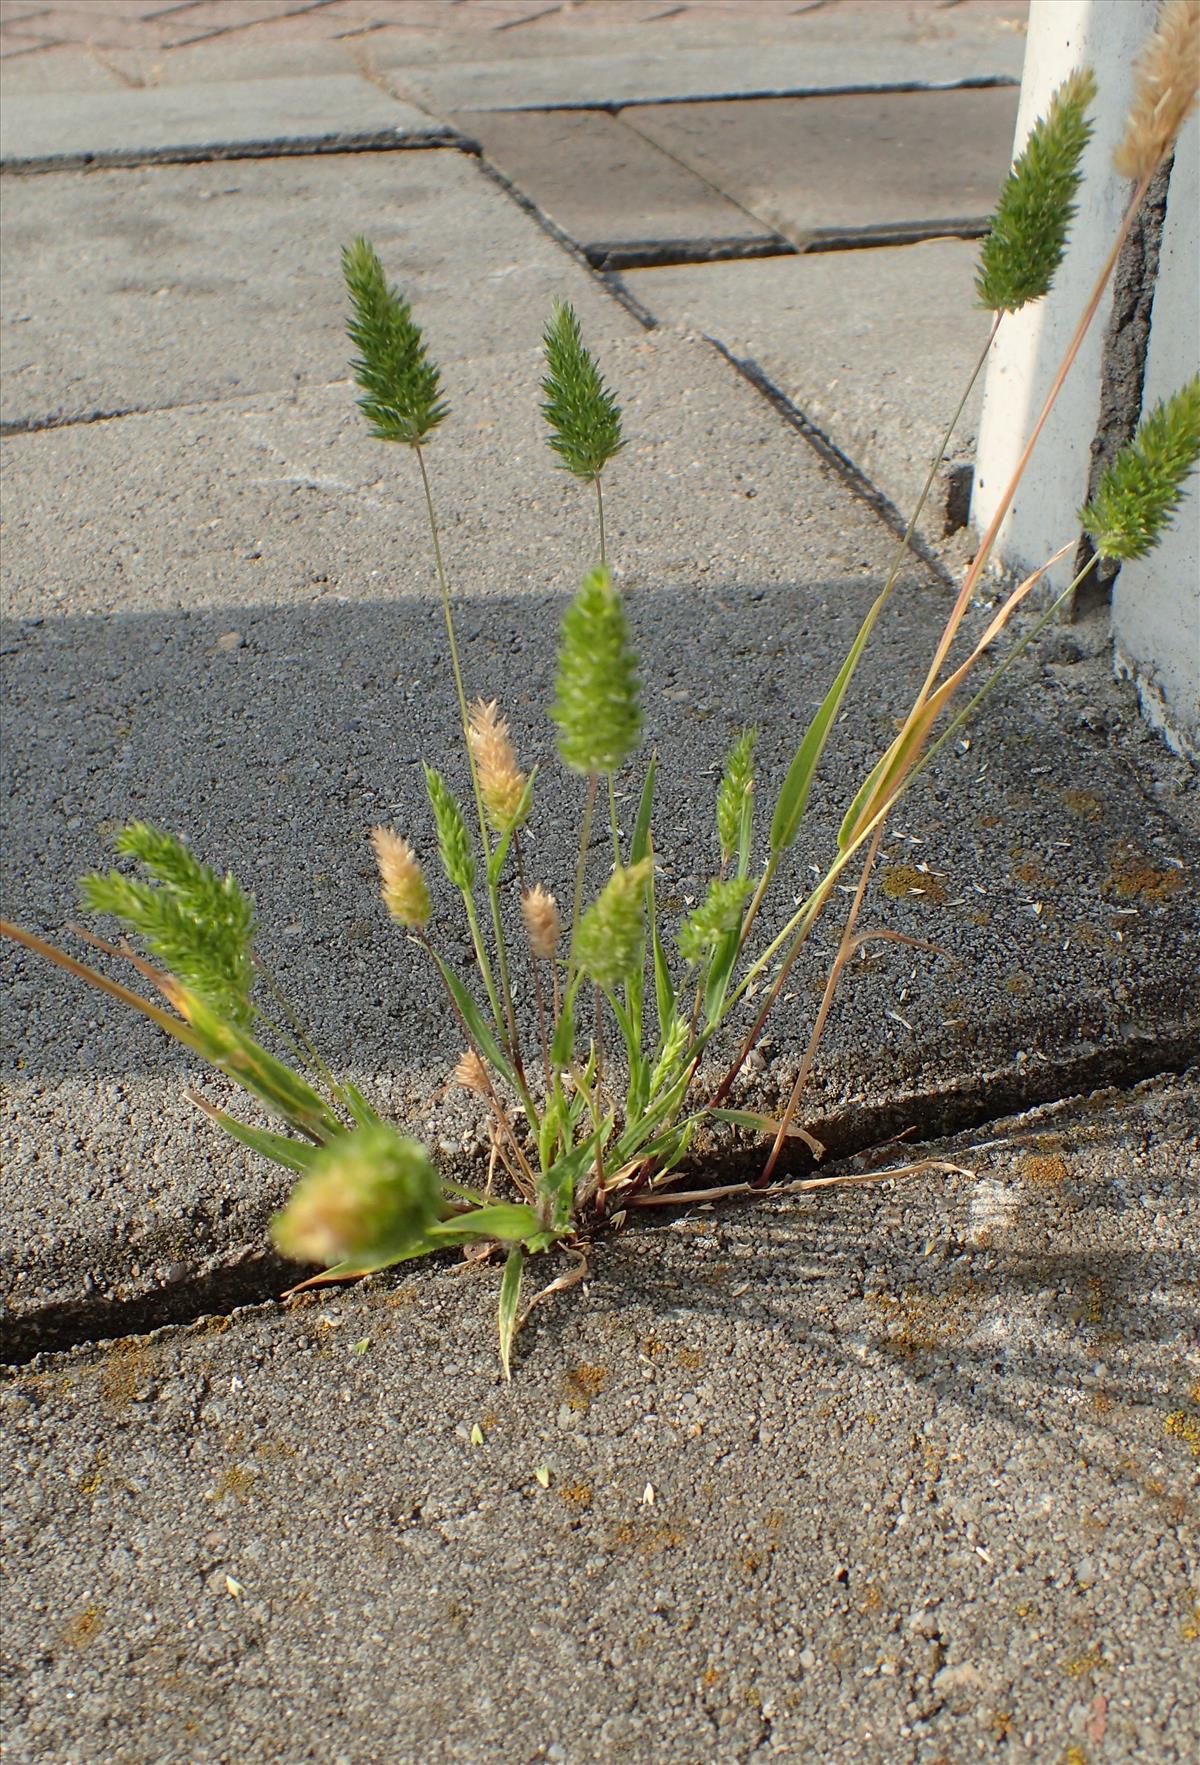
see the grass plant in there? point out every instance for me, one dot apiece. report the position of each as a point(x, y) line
point(595, 1101)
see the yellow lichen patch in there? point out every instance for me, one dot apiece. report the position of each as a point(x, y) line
point(577, 1496)
point(1180, 1426)
point(399, 1298)
point(872, 1600)
point(93, 1477)
point(905, 881)
point(582, 1384)
point(236, 1481)
point(648, 1539)
point(916, 1322)
point(1132, 877)
point(1030, 870)
point(1000, 1723)
point(83, 1627)
point(1083, 804)
point(1074, 1756)
point(1101, 1403)
point(1189, 1629)
point(124, 1369)
point(1043, 1170)
point(653, 1349)
point(690, 1359)
point(1085, 1665)
point(274, 1451)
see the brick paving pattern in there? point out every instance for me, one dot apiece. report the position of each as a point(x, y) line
point(30, 29)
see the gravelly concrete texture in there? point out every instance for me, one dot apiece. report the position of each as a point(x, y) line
point(904, 1474)
point(221, 618)
point(170, 285)
point(875, 346)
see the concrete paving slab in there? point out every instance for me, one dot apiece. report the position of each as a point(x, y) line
point(159, 286)
point(874, 346)
point(61, 69)
point(900, 1475)
point(221, 617)
point(600, 181)
point(812, 166)
point(161, 119)
point(826, 54)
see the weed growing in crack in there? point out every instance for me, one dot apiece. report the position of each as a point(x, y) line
point(596, 1100)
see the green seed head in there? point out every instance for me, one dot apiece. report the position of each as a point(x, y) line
point(718, 913)
point(1021, 254)
point(608, 945)
point(197, 924)
point(399, 382)
point(453, 840)
point(731, 795)
point(584, 417)
point(596, 698)
point(1140, 490)
point(368, 1194)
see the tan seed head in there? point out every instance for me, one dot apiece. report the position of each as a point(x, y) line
point(1168, 78)
point(501, 781)
point(402, 885)
point(543, 922)
point(471, 1073)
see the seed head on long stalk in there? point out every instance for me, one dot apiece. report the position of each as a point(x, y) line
point(401, 385)
point(500, 778)
point(596, 694)
point(1168, 79)
point(402, 883)
point(1028, 234)
point(1140, 490)
point(543, 921)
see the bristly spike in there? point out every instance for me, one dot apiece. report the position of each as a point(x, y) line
point(367, 1195)
point(454, 843)
point(501, 781)
point(596, 695)
point(1140, 490)
point(583, 415)
point(608, 944)
point(400, 384)
point(199, 925)
point(401, 882)
point(736, 780)
point(1168, 80)
point(1024, 247)
point(719, 912)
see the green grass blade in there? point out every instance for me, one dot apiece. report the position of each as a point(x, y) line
point(506, 1221)
point(474, 1019)
point(793, 797)
point(641, 827)
point(293, 1155)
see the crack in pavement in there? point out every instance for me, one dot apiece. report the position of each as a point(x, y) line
point(876, 89)
point(260, 1276)
point(657, 254)
point(280, 147)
